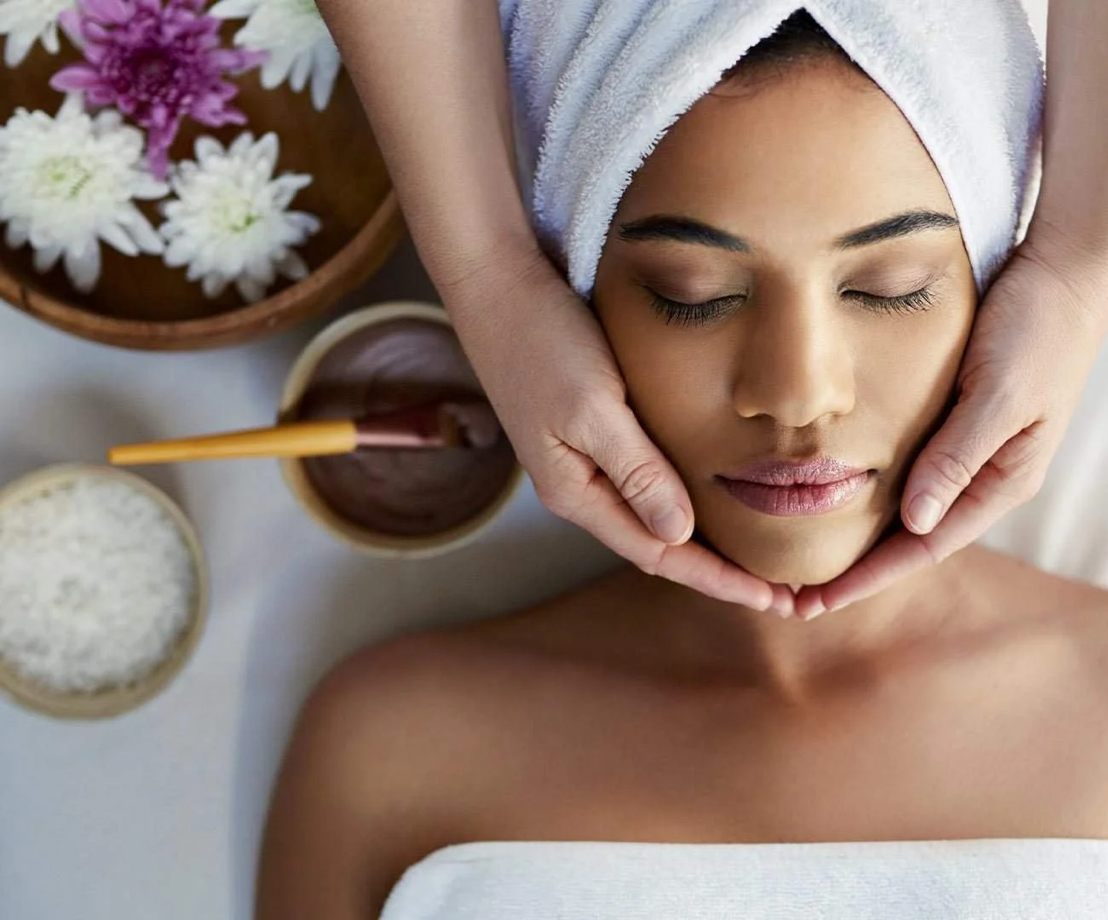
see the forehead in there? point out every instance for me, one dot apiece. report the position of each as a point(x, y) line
point(805, 155)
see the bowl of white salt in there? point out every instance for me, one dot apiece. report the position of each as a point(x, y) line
point(103, 591)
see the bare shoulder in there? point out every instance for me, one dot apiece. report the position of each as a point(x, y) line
point(372, 779)
point(1069, 615)
point(407, 705)
point(423, 704)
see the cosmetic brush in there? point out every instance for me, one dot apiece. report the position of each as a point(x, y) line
point(456, 423)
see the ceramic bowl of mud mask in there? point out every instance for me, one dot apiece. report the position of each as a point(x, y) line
point(394, 503)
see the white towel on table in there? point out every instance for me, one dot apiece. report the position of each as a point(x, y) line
point(596, 83)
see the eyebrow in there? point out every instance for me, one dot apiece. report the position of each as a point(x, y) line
point(682, 230)
point(901, 225)
point(688, 230)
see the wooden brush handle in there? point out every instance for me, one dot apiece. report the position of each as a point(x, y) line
point(297, 439)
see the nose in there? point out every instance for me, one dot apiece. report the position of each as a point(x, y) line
point(796, 364)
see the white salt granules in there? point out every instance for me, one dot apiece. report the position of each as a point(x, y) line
point(96, 584)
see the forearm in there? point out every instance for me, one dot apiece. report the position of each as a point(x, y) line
point(432, 77)
point(1073, 201)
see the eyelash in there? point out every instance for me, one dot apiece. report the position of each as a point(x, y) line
point(676, 313)
point(905, 304)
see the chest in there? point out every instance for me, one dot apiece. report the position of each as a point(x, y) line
point(914, 761)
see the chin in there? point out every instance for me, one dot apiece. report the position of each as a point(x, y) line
point(794, 561)
point(795, 570)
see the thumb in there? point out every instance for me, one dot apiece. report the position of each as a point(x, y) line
point(644, 478)
point(975, 430)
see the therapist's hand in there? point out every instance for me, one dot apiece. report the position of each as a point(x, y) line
point(545, 364)
point(1036, 337)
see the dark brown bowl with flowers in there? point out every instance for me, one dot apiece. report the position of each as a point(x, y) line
point(179, 174)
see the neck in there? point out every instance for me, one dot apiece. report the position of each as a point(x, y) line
point(796, 659)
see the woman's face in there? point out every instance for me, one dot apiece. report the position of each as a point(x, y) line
point(787, 293)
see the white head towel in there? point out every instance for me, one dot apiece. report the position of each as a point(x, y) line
point(596, 84)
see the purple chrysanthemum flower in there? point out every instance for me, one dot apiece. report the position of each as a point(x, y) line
point(156, 64)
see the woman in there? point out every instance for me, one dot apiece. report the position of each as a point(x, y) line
point(789, 316)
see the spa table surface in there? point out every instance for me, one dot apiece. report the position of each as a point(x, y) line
point(157, 815)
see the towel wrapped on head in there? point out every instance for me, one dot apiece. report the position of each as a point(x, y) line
point(596, 84)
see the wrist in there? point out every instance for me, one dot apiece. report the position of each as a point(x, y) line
point(494, 297)
point(1066, 241)
point(512, 270)
point(1079, 264)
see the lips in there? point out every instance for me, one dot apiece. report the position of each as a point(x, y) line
point(786, 489)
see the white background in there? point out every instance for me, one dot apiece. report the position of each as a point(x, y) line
point(156, 815)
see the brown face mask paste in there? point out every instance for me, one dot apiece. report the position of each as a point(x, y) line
point(412, 493)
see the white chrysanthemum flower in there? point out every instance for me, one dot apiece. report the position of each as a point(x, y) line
point(26, 21)
point(70, 181)
point(294, 35)
point(229, 222)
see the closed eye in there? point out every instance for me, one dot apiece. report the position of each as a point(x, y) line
point(679, 313)
point(913, 302)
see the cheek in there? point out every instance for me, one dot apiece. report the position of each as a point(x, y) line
point(911, 374)
point(676, 378)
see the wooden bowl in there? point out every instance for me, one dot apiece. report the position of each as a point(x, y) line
point(140, 303)
point(114, 701)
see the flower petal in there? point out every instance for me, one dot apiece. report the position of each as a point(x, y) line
point(233, 9)
point(114, 236)
point(17, 234)
point(113, 11)
point(70, 21)
point(213, 285)
point(83, 267)
point(50, 38)
point(301, 69)
point(250, 289)
point(76, 78)
point(207, 149)
point(47, 257)
point(261, 269)
point(179, 252)
point(267, 151)
point(294, 267)
point(323, 80)
point(17, 45)
point(142, 232)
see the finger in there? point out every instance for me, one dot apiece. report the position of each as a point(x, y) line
point(975, 511)
point(973, 433)
point(702, 570)
point(601, 510)
point(890, 561)
point(644, 478)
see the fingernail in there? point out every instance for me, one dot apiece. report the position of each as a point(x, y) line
point(815, 612)
point(782, 608)
point(924, 512)
point(672, 526)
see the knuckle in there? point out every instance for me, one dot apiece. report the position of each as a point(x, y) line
point(644, 481)
point(585, 427)
point(555, 498)
point(952, 470)
point(653, 565)
point(1028, 487)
